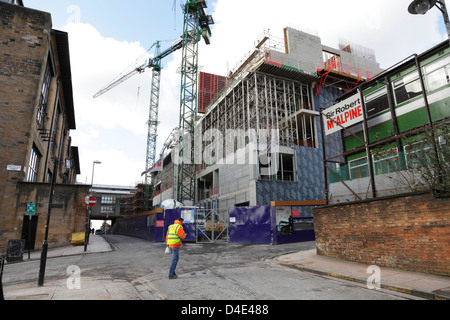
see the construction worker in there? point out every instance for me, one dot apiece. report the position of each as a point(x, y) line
point(175, 234)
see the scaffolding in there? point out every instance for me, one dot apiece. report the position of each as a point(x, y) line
point(264, 95)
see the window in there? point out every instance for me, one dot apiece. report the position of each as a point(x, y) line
point(377, 102)
point(33, 168)
point(284, 165)
point(108, 210)
point(108, 200)
point(386, 161)
point(407, 87)
point(307, 130)
point(58, 112)
point(359, 168)
point(44, 97)
point(437, 73)
point(416, 151)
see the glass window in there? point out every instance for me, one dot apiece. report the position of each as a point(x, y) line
point(284, 165)
point(33, 168)
point(107, 210)
point(386, 161)
point(415, 152)
point(359, 168)
point(108, 200)
point(407, 87)
point(437, 73)
point(377, 102)
point(44, 97)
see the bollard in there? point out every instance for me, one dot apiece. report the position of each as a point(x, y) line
point(2, 263)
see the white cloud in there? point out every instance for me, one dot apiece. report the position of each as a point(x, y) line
point(382, 25)
point(101, 122)
point(113, 128)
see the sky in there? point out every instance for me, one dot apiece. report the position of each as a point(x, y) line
point(108, 37)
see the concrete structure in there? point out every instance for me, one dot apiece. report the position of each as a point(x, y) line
point(274, 95)
point(36, 117)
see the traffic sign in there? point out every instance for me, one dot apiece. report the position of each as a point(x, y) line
point(31, 209)
point(90, 201)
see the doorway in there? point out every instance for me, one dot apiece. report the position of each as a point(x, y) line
point(29, 227)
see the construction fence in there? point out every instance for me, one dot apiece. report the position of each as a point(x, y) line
point(275, 224)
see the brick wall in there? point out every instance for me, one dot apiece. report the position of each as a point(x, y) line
point(24, 45)
point(27, 45)
point(411, 232)
point(68, 214)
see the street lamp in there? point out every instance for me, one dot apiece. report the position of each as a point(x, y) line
point(93, 167)
point(88, 213)
point(423, 6)
point(44, 251)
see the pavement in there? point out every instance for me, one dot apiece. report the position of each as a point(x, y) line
point(426, 286)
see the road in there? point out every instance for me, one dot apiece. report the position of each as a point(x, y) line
point(206, 272)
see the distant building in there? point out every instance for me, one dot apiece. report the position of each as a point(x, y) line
point(36, 117)
point(112, 202)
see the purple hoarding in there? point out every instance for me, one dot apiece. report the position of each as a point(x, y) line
point(250, 225)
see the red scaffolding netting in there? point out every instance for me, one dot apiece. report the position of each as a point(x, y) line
point(210, 86)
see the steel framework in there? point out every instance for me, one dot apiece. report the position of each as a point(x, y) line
point(263, 101)
point(196, 25)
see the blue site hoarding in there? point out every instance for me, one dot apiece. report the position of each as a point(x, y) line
point(250, 225)
point(247, 225)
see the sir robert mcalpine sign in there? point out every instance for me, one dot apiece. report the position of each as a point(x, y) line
point(343, 114)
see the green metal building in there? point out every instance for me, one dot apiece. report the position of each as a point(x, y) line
point(379, 124)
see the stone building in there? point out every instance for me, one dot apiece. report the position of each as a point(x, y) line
point(36, 117)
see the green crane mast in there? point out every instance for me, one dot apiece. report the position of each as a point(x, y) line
point(196, 26)
point(155, 65)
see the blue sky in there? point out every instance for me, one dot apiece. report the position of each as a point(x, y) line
point(142, 21)
point(107, 36)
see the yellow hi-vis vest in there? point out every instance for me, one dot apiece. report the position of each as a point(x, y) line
point(172, 236)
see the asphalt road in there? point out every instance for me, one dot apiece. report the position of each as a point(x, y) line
point(205, 272)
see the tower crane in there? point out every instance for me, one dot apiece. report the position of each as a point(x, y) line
point(196, 26)
point(155, 65)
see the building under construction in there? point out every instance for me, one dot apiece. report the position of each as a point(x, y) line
point(259, 139)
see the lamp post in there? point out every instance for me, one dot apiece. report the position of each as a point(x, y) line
point(43, 260)
point(88, 209)
point(423, 6)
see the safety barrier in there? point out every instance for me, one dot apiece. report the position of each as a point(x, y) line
point(279, 223)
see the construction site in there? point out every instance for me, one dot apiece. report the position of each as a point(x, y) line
point(249, 149)
point(299, 141)
point(273, 96)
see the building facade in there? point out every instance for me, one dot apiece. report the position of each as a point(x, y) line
point(380, 153)
point(112, 202)
point(36, 117)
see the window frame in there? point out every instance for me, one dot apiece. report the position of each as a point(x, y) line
point(33, 165)
point(411, 77)
point(373, 96)
point(441, 64)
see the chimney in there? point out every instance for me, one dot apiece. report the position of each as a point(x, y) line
point(16, 2)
